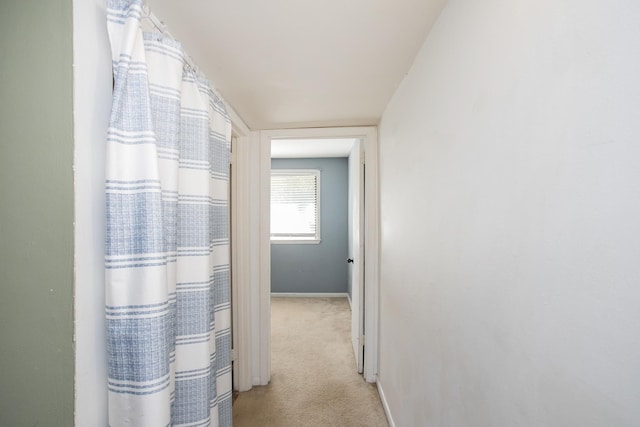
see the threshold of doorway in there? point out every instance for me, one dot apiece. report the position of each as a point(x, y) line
point(310, 294)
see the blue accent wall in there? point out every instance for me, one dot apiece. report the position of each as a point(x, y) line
point(317, 268)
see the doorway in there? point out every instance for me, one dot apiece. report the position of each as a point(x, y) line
point(366, 311)
point(316, 223)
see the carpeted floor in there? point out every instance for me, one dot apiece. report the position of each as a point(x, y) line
point(313, 374)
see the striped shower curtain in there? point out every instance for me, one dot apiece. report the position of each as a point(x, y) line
point(167, 248)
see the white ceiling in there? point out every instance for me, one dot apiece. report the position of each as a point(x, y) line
point(304, 148)
point(302, 63)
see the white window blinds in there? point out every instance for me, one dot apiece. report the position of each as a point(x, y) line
point(295, 205)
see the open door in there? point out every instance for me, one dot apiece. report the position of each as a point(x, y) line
point(356, 251)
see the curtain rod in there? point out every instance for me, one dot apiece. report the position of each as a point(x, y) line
point(160, 26)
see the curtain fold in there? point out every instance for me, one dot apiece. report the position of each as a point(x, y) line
point(167, 240)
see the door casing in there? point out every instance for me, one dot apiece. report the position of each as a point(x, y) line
point(260, 316)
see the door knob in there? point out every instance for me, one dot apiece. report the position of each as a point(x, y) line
point(350, 260)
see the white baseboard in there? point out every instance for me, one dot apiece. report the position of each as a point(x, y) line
point(385, 405)
point(349, 299)
point(310, 295)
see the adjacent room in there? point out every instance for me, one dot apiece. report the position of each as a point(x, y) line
point(314, 369)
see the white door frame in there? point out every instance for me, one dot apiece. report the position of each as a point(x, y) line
point(262, 313)
point(240, 254)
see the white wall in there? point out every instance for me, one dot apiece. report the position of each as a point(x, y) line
point(510, 206)
point(91, 105)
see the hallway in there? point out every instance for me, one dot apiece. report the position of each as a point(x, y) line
point(314, 380)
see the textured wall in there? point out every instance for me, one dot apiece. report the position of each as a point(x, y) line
point(510, 211)
point(322, 267)
point(36, 213)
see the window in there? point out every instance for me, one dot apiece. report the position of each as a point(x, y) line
point(295, 205)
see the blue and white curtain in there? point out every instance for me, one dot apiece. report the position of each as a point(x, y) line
point(167, 248)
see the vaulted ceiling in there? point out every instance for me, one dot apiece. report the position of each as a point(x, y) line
point(302, 63)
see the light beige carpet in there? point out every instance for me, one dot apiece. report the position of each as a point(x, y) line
point(313, 373)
